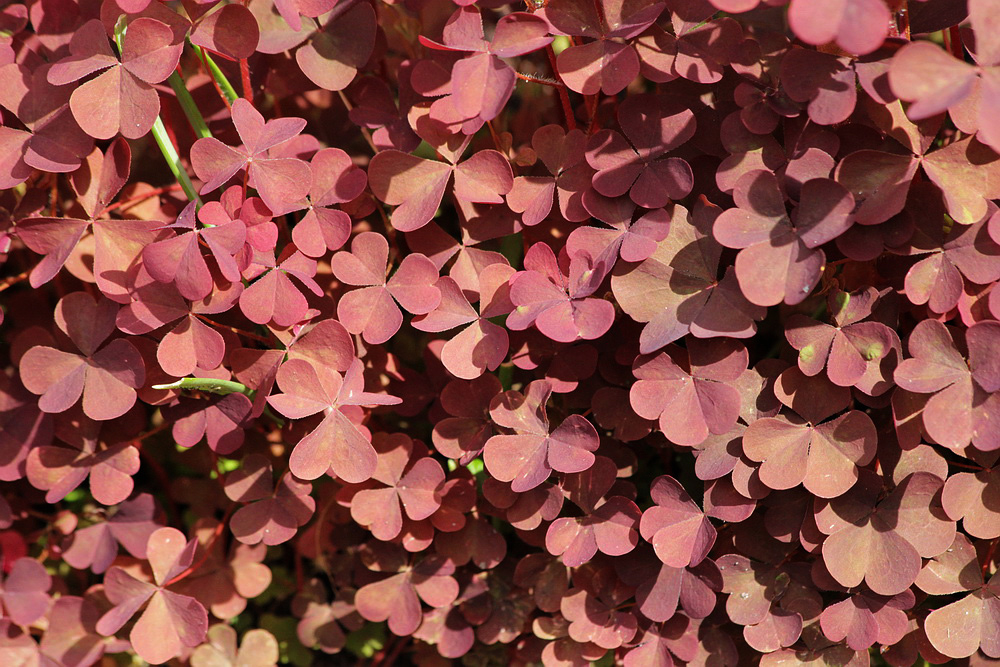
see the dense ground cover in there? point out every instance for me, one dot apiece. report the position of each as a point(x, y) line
point(419, 332)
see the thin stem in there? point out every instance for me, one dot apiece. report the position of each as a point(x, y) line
point(235, 330)
point(534, 78)
point(245, 80)
point(216, 534)
point(592, 103)
point(365, 132)
point(567, 108)
point(143, 196)
point(10, 281)
point(226, 88)
point(54, 195)
point(215, 83)
point(496, 139)
point(989, 557)
point(188, 106)
point(161, 476)
point(966, 466)
point(899, 24)
point(150, 433)
point(163, 138)
point(174, 161)
point(563, 92)
point(392, 655)
point(955, 42)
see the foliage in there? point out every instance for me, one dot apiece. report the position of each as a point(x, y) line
point(624, 332)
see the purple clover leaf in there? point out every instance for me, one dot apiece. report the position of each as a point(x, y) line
point(557, 296)
point(129, 524)
point(411, 484)
point(416, 186)
point(608, 523)
point(604, 64)
point(677, 289)
point(106, 377)
point(337, 444)
point(372, 310)
point(965, 405)
point(397, 597)
point(25, 591)
point(332, 55)
point(482, 83)
point(858, 26)
point(463, 435)
point(847, 348)
point(281, 182)
point(273, 297)
point(179, 259)
point(482, 345)
point(692, 397)
point(677, 528)
point(170, 621)
point(527, 457)
point(122, 98)
point(882, 542)
point(780, 259)
point(274, 512)
point(54, 141)
point(563, 155)
point(638, 164)
point(335, 180)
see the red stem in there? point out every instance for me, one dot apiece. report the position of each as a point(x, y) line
point(235, 330)
point(13, 280)
point(54, 194)
point(965, 466)
point(563, 92)
point(148, 194)
point(989, 557)
point(364, 130)
point(496, 139)
point(899, 23)
point(537, 79)
point(955, 38)
point(390, 658)
point(204, 556)
point(168, 125)
point(215, 84)
point(245, 77)
point(592, 102)
point(148, 434)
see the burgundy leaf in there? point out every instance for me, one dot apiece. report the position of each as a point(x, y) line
point(106, 377)
point(778, 260)
point(679, 531)
point(527, 457)
point(691, 398)
point(336, 444)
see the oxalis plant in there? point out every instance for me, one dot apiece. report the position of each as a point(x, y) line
point(420, 332)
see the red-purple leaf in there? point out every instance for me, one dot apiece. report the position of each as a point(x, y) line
point(679, 531)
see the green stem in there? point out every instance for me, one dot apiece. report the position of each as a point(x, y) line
point(506, 375)
point(161, 136)
point(174, 161)
point(190, 108)
point(220, 78)
point(511, 247)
